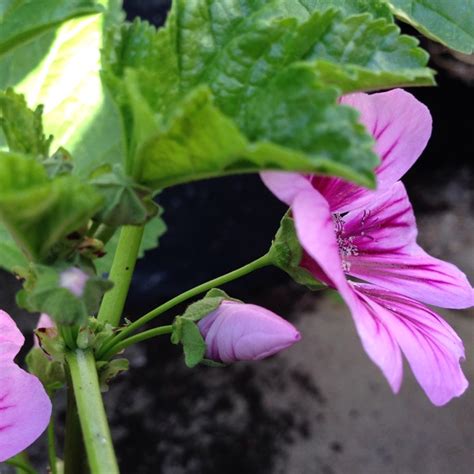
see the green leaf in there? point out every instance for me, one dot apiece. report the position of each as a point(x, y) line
point(38, 211)
point(23, 128)
point(11, 257)
point(154, 229)
point(447, 21)
point(43, 293)
point(109, 370)
point(126, 202)
point(201, 142)
point(286, 253)
point(210, 81)
point(23, 19)
point(60, 68)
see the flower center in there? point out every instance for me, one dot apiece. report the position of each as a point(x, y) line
point(347, 248)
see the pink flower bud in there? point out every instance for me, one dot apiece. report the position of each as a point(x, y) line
point(237, 331)
point(74, 280)
point(44, 323)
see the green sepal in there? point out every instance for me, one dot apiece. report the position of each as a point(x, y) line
point(125, 201)
point(109, 370)
point(43, 293)
point(286, 253)
point(186, 332)
point(50, 372)
point(23, 127)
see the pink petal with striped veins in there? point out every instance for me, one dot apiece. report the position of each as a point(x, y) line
point(416, 275)
point(386, 320)
point(25, 410)
point(387, 255)
point(386, 226)
point(11, 339)
point(401, 126)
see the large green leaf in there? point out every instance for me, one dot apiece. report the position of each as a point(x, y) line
point(260, 82)
point(38, 211)
point(450, 22)
point(59, 67)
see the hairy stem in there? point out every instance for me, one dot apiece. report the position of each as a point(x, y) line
point(90, 407)
point(240, 272)
point(121, 274)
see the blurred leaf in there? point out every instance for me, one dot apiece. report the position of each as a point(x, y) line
point(126, 202)
point(44, 293)
point(37, 211)
point(23, 128)
point(11, 257)
point(450, 22)
point(23, 19)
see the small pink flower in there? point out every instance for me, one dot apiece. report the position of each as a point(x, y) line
point(237, 331)
point(74, 280)
point(363, 243)
point(25, 408)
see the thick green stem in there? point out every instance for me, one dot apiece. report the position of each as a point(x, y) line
point(234, 275)
point(143, 336)
point(121, 274)
point(53, 459)
point(74, 451)
point(90, 407)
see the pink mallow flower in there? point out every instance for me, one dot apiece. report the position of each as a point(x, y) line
point(238, 331)
point(25, 408)
point(363, 243)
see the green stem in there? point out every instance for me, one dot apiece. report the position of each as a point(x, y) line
point(240, 272)
point(22, 464)
point(143, 336)
point(52, 456)
point(74, 450)
point(90, 407)
point(121, 274)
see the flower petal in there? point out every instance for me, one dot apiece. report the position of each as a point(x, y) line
point(401, 126)
point(416, 275)
point(25, 410)
point(315, 229)
point(11, 339)
point(285, 186)
point(386, 320)
point(384, 236)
